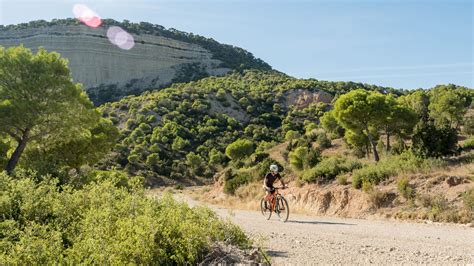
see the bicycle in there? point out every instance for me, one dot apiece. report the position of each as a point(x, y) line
point(278, 204)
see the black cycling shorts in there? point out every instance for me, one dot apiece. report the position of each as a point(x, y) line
point(270, 189)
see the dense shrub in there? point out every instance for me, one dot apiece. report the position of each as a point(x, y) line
point(42, 223)
point(303, 158)
point(377, 198)
point(259, 157)
point(323, 141)
point(329, 168)
point(430, 140)
point(237, 180)
point(468, 200)
point(405, 189)
point(468, 127)
point(468, 144)
point(407, 162)
point(240, 149)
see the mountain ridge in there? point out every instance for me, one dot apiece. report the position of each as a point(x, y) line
point(160, 57)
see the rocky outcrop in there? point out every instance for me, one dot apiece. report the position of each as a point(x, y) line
point(303, 98)
point(108, 72)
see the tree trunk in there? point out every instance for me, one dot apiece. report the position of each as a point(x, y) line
point(374, 146)
point(367, 151)
point(13, 161)
point(388, 140)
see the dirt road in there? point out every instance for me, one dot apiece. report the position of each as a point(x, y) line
point(321, 240)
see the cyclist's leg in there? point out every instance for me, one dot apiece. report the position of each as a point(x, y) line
point(269, 196)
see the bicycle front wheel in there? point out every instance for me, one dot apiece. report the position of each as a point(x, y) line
point(265, 209)
point(282, 209)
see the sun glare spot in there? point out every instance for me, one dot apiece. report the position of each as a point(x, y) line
point(120, 37)
point(86, 15)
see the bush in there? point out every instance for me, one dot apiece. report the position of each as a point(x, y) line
point(235, 181)
point(393, 165)
point(438, 205)
point(303, 158)
point(376, 197)
point(468, 127)
point(259, 157)
point(323, 141)
point(431, 141)
point(342, 180)
point(240, 149)
point(291, 135)
point(117, 178)
point(329, 168)
point(42, 223)
point(468, 144)
point(468, 200)
point(425, 200)
point(405, 189)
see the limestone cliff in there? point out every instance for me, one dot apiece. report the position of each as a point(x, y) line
point(108, 72)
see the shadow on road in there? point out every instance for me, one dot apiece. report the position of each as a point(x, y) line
point(316, 222)
point(275, 253)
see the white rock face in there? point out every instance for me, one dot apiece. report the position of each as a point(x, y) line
point(95, 62)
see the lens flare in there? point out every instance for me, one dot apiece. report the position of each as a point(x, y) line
point(86, 15)
point(120, 37)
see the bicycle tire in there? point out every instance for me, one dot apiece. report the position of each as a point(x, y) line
point(267, 213)
point(283, 213)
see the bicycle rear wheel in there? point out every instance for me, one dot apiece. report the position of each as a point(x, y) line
point(282, 209)
point(266, 212)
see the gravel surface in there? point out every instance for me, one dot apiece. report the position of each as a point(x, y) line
point(323, 240)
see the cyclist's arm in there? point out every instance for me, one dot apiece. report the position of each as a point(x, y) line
point(282, 182)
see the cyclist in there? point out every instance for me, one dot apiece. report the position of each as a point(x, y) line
point(268, 181)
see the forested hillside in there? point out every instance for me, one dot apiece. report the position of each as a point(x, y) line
point(56, 207)
point(183, 131)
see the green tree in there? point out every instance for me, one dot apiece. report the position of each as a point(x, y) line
point(400, 120)
point(468, 125)
point(291, 135)
point(330, 125)
point(179, 144)
point(194, 161)
point(360, 110)
point(53, 155)
point(447, 107)
point(359, 142)
point(430, 140)
point(221, 95)
point(38, 99)
point(216, 157)
point(417, 101)
point(240, 149)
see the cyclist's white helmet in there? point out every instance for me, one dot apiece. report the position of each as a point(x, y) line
point(274, 168)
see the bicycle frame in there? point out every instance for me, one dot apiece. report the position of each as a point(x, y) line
point(274, 197)
point(272, 204)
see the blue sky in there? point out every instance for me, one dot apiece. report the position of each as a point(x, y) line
point(402, 44)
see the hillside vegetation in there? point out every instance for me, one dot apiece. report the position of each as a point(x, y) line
point(418, 144)
point(183, 131)
point(55, 208)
